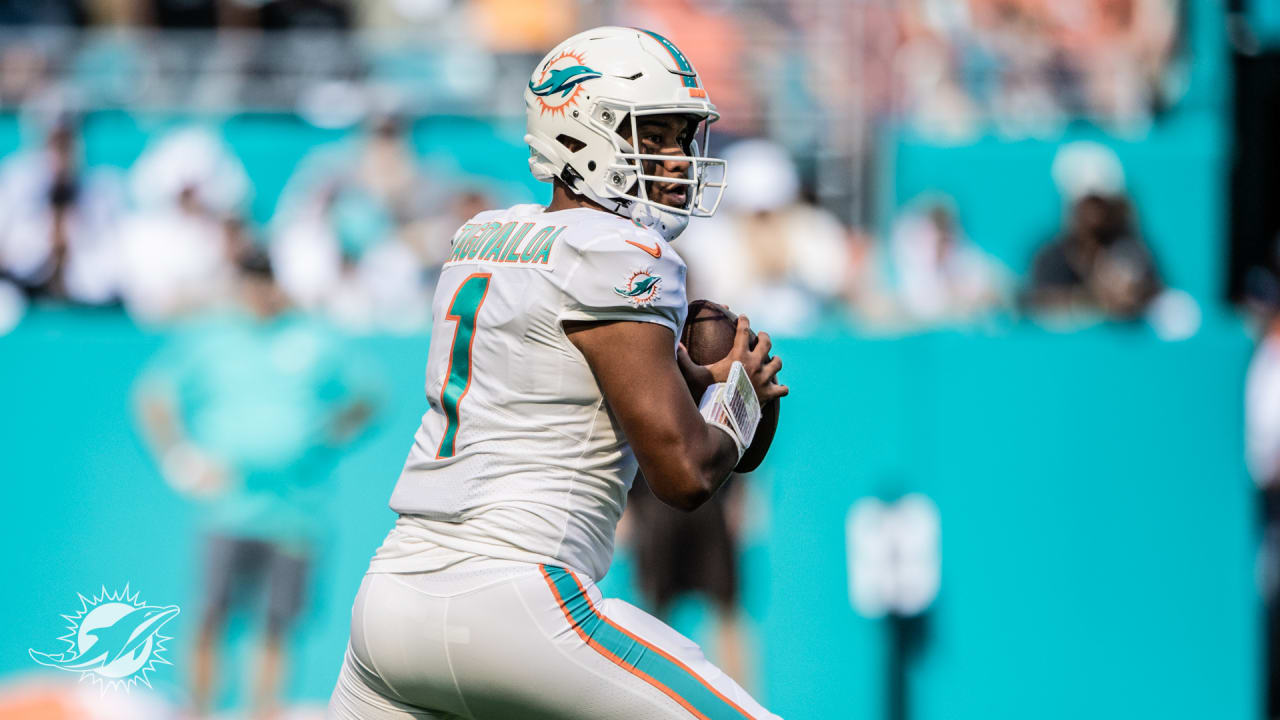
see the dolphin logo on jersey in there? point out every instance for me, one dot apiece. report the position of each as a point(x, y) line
point(564, 80)
point(641, 289)
point(115, 639)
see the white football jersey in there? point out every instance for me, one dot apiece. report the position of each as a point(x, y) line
point(519, 457)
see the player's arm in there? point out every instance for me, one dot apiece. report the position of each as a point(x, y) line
point(684, 458)
point(184, 465)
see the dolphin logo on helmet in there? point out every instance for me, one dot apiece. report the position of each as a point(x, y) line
point(564, 80)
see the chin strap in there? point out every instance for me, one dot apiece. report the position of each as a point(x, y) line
point(668, 224)
point(733, 407)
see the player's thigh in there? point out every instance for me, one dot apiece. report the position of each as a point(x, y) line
point(566, 653)
point(396, 661)
point(358, 695)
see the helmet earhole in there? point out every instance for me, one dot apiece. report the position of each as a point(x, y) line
point(591, 165)
point(573, 143)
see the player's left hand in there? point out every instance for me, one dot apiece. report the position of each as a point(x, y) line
point(697, 377)
point(761, 367)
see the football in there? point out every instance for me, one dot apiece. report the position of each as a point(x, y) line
point(708, 335)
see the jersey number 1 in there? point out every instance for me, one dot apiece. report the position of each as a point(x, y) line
point(457, 380)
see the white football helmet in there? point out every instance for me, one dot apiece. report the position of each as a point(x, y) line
point(576, 102)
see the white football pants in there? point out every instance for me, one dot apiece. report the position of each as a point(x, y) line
point(527, 642)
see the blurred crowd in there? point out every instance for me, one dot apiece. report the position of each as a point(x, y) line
point(1033, 65)
point(357, 236)
point(952, 67)
point(361, 227)
point(358, 231)
point(774, 254)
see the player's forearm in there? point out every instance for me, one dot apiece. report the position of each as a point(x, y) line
point(160, 424)
point(720, 465)
point(690, 466)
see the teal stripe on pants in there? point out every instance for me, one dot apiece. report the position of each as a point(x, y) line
point(631, 652)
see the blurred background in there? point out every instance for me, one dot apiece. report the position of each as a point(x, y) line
point(1020, 256)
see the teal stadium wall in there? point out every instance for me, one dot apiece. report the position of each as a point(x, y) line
point(1097, 521)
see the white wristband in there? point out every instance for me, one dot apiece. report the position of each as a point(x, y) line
point(733, 407)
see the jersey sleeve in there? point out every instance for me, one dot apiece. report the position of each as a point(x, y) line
point(618, 277)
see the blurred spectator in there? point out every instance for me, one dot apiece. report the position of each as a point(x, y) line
point(867, 295)
point(1121, 49)
point(1262, 408)
point(248, 411)
point(1098, 262)
point(679, 554)
point(767, 253)
point(190, 158)
point(307, 252)
point(942, 275)
point(59, 221)
point(431, 238)
point(1262, 453)
point(1030, 65)
point(178, 248)
point(346, 235)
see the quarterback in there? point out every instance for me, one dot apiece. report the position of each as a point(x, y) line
point(553, 372)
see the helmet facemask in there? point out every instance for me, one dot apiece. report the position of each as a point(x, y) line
point(626, 178)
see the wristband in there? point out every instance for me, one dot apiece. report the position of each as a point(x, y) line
point(733, 407)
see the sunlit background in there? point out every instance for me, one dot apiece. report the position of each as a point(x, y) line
point(1017, 255)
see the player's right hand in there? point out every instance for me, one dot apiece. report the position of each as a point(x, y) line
point(760, 367)
point(194, 472)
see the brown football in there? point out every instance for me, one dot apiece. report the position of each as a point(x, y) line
point(708, 335)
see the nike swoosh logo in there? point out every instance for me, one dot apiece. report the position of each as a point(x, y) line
point(655, 251)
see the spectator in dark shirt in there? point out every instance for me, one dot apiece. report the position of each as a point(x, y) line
point(1098, 263)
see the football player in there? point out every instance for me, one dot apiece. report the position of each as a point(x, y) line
point(553, 371)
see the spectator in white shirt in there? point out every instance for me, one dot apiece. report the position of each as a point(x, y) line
point(1262, 455)
point(942, 275)
point(178, 249)
point(1262, 410)
point(58, 222)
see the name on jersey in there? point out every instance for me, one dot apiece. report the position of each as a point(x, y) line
point(511, 242)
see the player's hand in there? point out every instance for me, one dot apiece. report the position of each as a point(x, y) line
point(193, 472)
point(760, 367)
point(697, 377)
